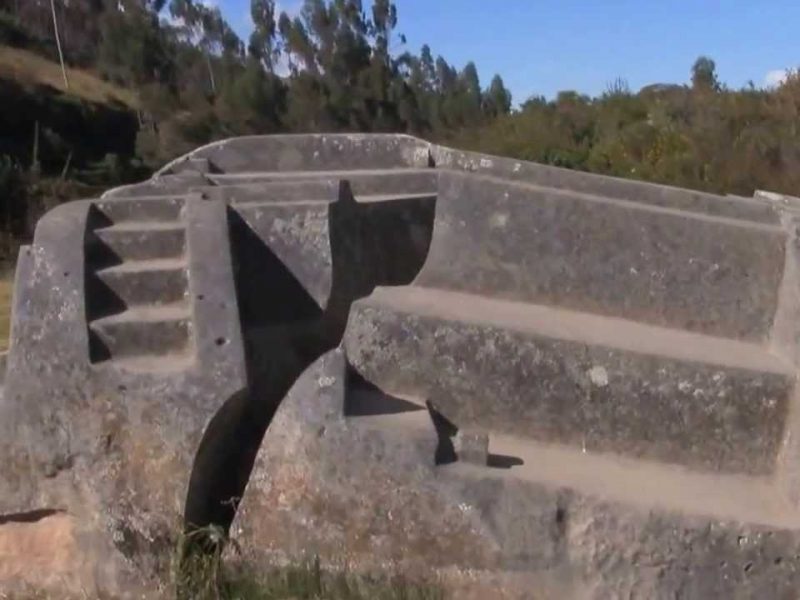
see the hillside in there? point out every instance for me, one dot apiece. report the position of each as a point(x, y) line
point(32, 71)
point(73, 127)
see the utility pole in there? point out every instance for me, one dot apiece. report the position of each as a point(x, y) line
point(58, 44)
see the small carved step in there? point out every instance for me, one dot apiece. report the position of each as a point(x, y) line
point(160, 281)
point(143, 240)
point(145, 330)
point(142, 209)
point(323, 185)
point(370, 198)
point(165, 363)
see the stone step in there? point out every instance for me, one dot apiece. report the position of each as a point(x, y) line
point(160, 186)
point(167, 363)
point(160, 281)
point(602, 185)
point(362, 199)
point(667, 267)
point(315, 152)
point(322, 190)
point(289, 204)
point(745, 549)
point(146, 330)
point(396, 197)
point(304, 185)
point(588, 381)
point(142, 209)
point(642, 484)
point(142, 240)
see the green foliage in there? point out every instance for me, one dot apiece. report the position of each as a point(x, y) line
point(210, 578)
point(132, 50)
point(341, 65)
point(13, 32)
point(704, 136)
point(208, 566)
point(309, 582)
point(13, 195)
point(704, 75)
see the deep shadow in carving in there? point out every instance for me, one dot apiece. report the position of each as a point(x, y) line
point(445, 431)
point(280, 322)
point(501, 461)
point(364, 399)
point(30, 516)
point(446, 453)
point(100, 299)
point(104, 301)
point(285, 331)
point(98, 350)
point(399, 233)
point(267, 291)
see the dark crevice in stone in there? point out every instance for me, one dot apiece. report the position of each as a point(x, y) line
point(446, 452)
point(98, 350)
point(445, 430)
point(502, 461)
point(104, 301)
point(270, 301)
point(285, 331)
point(30, 516)
point(97, 219)
point(100, 300)
point(268, 293)
point(363, 398)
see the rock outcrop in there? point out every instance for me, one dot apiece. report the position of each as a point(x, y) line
point(393, 355)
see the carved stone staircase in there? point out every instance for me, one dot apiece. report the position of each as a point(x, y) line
point(138, 312)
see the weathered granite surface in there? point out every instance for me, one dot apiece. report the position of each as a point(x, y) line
point(602, 255)
point(517, 375)
point(501, 376)
point(361, 489)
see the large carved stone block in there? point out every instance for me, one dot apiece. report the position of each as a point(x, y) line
point(492, 374)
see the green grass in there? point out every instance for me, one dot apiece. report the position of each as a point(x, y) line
point(302, 582)
point(207, 576)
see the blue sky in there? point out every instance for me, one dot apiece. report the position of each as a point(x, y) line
point(541, 47)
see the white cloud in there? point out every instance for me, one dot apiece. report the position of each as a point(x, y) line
point(775, 77)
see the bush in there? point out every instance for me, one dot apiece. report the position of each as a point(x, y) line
point(13, 33)
point(12, 195)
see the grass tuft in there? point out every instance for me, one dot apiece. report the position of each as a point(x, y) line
point(204, 575)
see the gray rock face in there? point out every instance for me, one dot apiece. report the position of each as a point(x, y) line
point(536, 374)
point(497, 375)
point(603, 256)
point(350, 474)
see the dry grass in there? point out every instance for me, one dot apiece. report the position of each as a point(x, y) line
point(6, 291)
point(31, 69)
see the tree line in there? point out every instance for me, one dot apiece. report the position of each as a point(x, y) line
point(342, 65)
point(336, 65)
point(703, 135)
